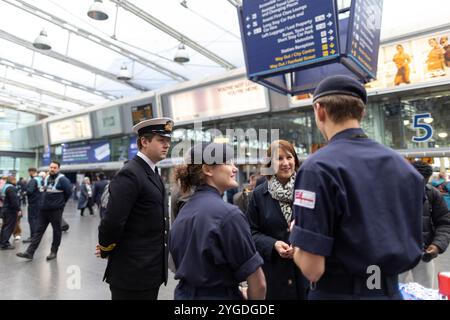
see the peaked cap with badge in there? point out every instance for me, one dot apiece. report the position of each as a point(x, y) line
point(159, 126)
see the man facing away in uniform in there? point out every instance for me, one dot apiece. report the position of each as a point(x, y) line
point(34, 195)
point(358, 204)
point(134, 230)
point(436, 230)
point(10, 212)
point(57, 190)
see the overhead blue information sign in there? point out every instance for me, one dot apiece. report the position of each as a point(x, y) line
point(284, 35)
point(91, 153)
point(364, 36)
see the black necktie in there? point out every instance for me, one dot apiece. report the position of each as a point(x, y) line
point(156, 170)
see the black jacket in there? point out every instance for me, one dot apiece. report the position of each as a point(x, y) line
point(98, 188)
point(33, 193)
point(11, 203)
point(436, 220)
point(268, 225)
point(57, 191)
point(134, 229)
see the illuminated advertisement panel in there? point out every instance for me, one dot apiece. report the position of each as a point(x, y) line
point(73, 129)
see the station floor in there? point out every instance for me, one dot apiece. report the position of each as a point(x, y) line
point(56, 280)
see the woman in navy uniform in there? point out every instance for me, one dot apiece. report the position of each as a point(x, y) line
point(270, 213)
point(133, 232)
point(358, 205)
point(210, 241)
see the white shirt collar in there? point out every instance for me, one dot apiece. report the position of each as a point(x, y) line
point(147, 160)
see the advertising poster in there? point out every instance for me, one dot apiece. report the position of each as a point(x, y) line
point(98, 152)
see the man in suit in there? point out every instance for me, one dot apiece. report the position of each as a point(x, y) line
point(134, 230)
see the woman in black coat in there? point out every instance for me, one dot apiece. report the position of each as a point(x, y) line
point(270, 213)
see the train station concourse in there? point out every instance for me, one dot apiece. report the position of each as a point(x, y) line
point(224, 150)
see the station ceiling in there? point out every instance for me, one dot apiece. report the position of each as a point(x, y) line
point(143, 36)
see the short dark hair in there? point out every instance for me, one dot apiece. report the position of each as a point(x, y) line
point(341, 108)
point(101, 176)
point(32, 170)
point(149, 137)
point(424, 169)
point(56, 162)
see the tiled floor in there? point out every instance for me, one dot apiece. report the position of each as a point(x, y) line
point(41, 279)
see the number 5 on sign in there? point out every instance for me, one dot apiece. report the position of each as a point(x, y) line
point(426, 128)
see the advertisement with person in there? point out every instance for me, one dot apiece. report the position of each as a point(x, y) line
point(409, 62)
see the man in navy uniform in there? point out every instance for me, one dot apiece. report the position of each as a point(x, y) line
point(133, 232)
point(34, 193)
point(57, 190)
point(10, 212)
point(358, 205)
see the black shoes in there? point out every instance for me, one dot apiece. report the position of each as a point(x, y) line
point(51, 256)
point(10, 247)
point(28, 240)
point(24, 255)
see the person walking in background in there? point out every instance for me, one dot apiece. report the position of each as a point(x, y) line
point(98, 188)
point(270, 214)
point(85, 200)
point(10, 212)
point(436, 230)
point(57, 191)
point(210, 240)
point(34, 195)
point(242, 198)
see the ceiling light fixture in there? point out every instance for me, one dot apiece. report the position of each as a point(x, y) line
point(42, 42)
point(97, 11)
point(181, 56)
point(124, 74)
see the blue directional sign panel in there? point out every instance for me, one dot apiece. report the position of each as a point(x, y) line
point(364, 37)
point(97, 152)
point(285, 35)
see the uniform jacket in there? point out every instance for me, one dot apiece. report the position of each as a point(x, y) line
point(135, 228)
point(33, 192)
point(98, 188)
point(268, 225)
point(57, 192)
point(436, 220)
point(11, 203)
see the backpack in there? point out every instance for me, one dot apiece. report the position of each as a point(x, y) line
point(3, 193)
point(105, 197)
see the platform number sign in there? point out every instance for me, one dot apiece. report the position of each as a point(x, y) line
point(425, 129)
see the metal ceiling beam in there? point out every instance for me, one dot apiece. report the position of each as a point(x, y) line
point(94, 38)
point(44, 92)
point(54, 78)
point(173, 33)
point(55, 55)
point(35, 103)
point(29, 109)
point(236, 3)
